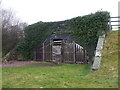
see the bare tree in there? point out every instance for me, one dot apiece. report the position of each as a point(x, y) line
point(12, 30)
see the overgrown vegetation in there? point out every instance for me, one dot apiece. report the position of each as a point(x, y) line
point(85, 31)
point(68, 75)
point(12, 30)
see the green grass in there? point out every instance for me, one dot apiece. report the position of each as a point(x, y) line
point(68, 75)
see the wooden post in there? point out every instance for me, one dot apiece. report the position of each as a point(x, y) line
point(110, 24)
point(50, 51)
point(51, 43)
point(74, 50)
point(63, 51)
point(43, 53)
point(84, 57)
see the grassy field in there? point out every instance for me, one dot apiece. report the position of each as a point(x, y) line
point(68, 75)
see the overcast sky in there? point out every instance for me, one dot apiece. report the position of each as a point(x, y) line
point(32, 11)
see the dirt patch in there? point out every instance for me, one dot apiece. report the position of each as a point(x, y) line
point(25, 63)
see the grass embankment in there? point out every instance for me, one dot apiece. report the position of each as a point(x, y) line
point(68, 75)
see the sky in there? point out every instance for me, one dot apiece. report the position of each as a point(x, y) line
point(32, 11)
